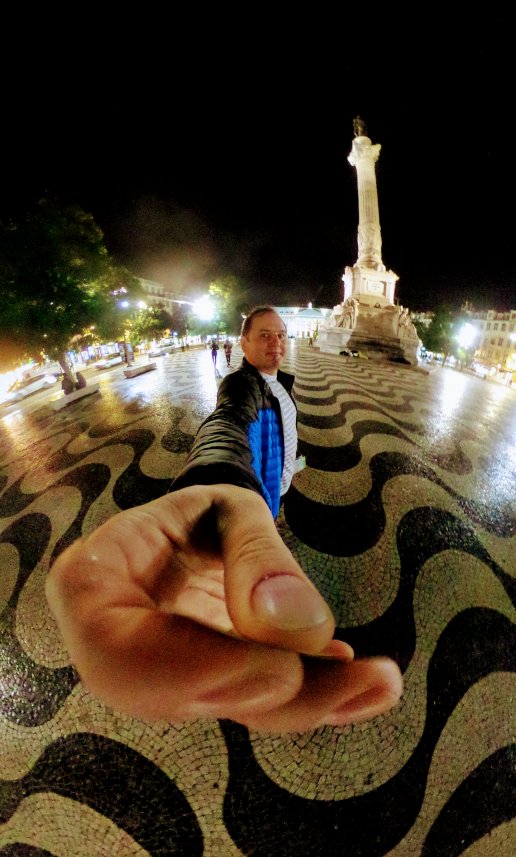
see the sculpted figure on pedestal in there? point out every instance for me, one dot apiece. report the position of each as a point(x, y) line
point(335, 317)
point(405, 326)
point(359, 126)
point(344, 315)
point(351, 311)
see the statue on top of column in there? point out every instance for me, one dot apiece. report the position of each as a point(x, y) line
point(359, 126)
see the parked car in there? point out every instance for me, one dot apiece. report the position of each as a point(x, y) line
point(480, 369)
point(161, 350)
point(27, 386)
point(109, 360)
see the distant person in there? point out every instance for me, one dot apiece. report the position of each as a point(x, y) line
point(70, 385)
point(214, 351)
point(228, 348)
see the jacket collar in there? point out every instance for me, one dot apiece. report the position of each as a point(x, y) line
point(285, 378)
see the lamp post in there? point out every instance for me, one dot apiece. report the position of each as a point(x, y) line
point(127, 346)
point(466, 338)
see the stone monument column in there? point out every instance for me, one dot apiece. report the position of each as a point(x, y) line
point(363, 157)
point(368, 322)
point(368, 281)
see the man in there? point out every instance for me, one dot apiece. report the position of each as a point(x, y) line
point(214, 351)
point(228, 347)
point(250, 439)
point(191, 606)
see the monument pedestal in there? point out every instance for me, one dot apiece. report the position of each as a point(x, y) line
point(381, 333)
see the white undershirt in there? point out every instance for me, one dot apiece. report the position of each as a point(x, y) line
point(288, 417)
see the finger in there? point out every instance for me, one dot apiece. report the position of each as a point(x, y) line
point(335, 694)
point(269, 597)
point(337, 650)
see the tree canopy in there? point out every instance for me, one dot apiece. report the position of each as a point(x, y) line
point(151, 323)
point(228, 299)
point(440, 335)
point(57, 282)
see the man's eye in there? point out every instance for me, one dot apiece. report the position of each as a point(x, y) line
point(267, 335)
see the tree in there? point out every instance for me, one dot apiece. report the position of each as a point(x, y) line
point(151, 323)
point(227, 295)
point(439, 335)
point(57, 282)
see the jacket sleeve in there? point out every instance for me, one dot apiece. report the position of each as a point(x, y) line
point(221, 452)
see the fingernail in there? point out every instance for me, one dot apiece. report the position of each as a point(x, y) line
point(286, 602)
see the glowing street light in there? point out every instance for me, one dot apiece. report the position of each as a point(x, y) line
point(467, 335)
point(139, 304)
point(204, 308)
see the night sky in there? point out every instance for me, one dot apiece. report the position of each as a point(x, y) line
point(211, 145)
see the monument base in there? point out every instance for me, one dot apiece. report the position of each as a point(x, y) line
point(381, 333)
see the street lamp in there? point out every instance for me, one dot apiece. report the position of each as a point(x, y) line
point(204, 308)
point(465, 338)
point(139, 304)
point(128, 351)
point(467, 335)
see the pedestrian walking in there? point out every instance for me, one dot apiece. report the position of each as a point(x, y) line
point(214, 351)
point(228, 347)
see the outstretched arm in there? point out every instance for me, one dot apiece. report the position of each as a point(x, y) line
point(191, 606)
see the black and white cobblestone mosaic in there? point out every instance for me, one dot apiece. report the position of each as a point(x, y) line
point(405, 519)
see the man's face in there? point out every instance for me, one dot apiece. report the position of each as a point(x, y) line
point(266, 342)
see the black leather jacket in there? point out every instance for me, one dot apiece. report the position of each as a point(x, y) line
point(241, 442)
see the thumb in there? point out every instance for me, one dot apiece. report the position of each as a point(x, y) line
point(269, 597)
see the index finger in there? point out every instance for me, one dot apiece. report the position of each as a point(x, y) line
point(269, 597)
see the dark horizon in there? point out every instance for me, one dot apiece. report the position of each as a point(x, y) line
point(242, 168)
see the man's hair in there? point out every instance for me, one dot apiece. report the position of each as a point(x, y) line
point(255, 313)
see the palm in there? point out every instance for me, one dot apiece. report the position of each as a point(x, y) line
point(181, 578)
